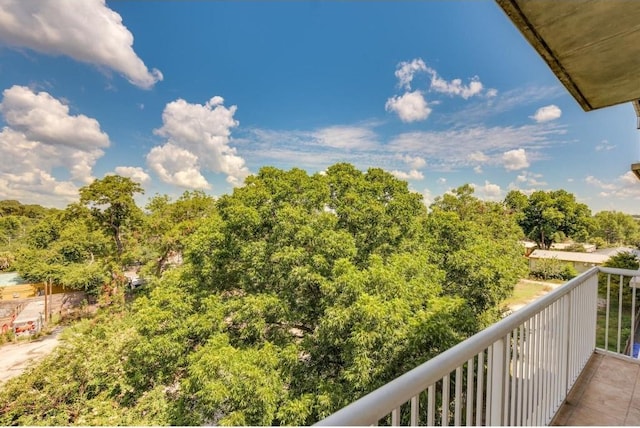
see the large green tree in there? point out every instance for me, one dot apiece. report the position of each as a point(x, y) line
point(298, 294)
point(550, 215)
point(616, 228)
point(111, 201)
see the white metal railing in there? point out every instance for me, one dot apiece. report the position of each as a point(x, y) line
point(516, 372)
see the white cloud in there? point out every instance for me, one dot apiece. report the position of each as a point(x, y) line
point(478, 157)
point(456, 87)
point(405, 71)
point(488, 191)
point(515, 159)
point(410, 107)
point(547, 113)
point(135, 173)
point(42, 137)
point(411, 175)
point(492, 92)
point(591, 180)
point(624, 188)
point(427, 197)
point(604, 146)
point(345, 137)
point(86, 30)
point(477, 169)
point(175, 165)
point(477, 112)
point(197, 139)
point(530, 179)
point(414, 162)
point(40, 117)
point(450, 149)
point(441, 180)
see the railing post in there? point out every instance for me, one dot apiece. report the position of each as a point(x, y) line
point(567, 341)
point(497, 382)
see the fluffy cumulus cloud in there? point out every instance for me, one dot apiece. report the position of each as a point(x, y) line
point(547, 113)
point(427, 197)
point(86, 31)
point(623, 188)
point(41, 137)
point(456, 87)
point(197, 140)
point(515, 159)
point(135, 173)
point(410, 107)
point(406, 70)
point(411, 175)
point(530, 179)
point(488, 191)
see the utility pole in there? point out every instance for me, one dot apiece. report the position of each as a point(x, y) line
point(46, 308)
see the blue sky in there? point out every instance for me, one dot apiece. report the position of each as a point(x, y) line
point(198, 95)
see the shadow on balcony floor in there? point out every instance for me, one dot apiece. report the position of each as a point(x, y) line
point(607, 393)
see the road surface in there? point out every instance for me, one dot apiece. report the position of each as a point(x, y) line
point(17, 357)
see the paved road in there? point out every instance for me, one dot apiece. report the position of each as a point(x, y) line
point(16, 357)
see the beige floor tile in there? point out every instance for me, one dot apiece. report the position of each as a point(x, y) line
point(621, 374)
point(586, 416)
point(606, 397)
point(607, 393)
point(633, 418)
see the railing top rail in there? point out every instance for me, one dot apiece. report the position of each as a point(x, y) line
point(375, 405)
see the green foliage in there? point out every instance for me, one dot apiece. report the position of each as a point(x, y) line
point(112, 205)
point(553, 269)
point(623, 260)
point(616, 228)
point(550, 216)
point(168, 224)
point(298, 294)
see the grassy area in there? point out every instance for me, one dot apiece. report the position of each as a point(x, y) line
point(613, 327)
point(525, 292)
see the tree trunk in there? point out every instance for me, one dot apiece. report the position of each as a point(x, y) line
point(116, 236)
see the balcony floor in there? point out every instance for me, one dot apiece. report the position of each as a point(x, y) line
point(607, 393)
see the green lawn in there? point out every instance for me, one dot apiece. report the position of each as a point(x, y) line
point(525, 292)
point(613, 327)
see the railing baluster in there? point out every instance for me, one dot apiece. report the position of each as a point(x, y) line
point(445, 400)
point(632, 335)
point(395, 417)
point(532, 362)
point(619, 314)
point(536, 369)
point(431, 405)
point(458, 396)
point(606, 319)
point(521, 358)
point(469, 400)
point(515, 355)
point(415, 407)
point(480, 389)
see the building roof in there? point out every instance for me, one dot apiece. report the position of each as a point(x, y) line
point(592, 46)
point(570, 256)
point(10, 278)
